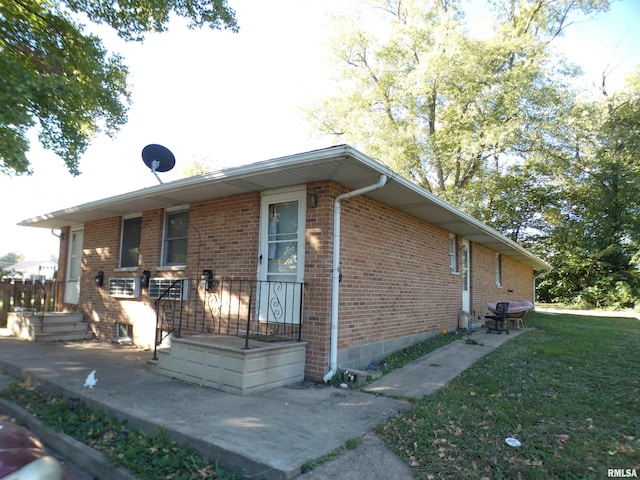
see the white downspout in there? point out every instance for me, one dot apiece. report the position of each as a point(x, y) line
point(335, 278)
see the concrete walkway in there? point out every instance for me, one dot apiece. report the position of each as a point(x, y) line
point(270, 435)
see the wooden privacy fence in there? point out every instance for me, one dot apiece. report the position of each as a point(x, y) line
point(26, 295)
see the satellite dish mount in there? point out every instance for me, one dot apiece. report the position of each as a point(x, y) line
point(158, 159)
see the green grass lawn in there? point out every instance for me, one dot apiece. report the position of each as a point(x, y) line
point(568, 391)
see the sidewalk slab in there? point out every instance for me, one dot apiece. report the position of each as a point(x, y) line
point(268, 435)
point(428, 374)
point(371, 460)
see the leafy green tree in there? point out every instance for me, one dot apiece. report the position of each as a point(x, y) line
point(9, 259)
point(594, 229)
point(60, 78)
point(492, 125)
point(197, 166)
point(518, 206)
point(443, 107)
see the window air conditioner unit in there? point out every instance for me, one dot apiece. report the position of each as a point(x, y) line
point(168, 288)
point(124, 287)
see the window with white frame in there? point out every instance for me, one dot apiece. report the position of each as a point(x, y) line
point(498, 270)
point(174, 245)
point(130, 242)
point(453, 253)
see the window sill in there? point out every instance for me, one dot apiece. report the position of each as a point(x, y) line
point(454, 273)
point(126, 269)
point(172, 268)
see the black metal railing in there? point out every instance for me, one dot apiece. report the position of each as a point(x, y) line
point(169, 312)
point(250, 309)
point(39, 301)
point(253, 309)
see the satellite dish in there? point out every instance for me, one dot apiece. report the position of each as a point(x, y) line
point(158, 159)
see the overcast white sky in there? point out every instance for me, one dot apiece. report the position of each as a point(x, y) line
point(233, 99)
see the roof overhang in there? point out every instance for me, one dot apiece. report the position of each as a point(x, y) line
point(342, 164)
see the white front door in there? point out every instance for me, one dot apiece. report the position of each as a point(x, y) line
point(466, 277)
point(74, 262)
point(281, 256)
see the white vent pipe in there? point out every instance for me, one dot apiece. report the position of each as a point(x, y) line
point(335, 278)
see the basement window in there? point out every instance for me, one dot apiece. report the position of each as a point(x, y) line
point(124, 333)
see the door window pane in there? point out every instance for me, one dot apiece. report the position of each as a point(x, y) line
point(282, 238)
point(76, 256)
point(465, 267)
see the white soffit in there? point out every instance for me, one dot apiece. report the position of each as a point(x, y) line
point(342, 164)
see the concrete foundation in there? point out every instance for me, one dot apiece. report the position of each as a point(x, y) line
point(361, 357)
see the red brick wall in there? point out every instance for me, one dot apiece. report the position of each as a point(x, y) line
point(517, 280)
point(223, 236)
point(101, 252)
point(225, 239)
point(316, 325)
point(150, 239)
point(396, 276)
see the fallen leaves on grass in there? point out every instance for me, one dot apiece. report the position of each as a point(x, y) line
point(459, 431)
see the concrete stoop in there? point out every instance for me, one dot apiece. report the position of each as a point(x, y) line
point(52, 327)
point(223, 363)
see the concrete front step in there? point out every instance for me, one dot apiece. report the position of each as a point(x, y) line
point(60, 337)
point(221, 362)
point(54, 327)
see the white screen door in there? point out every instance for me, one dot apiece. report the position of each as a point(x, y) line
point(72, 285)
point(281, 260)
point(466, 277)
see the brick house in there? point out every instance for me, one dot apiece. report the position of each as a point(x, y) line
point(242, 240)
